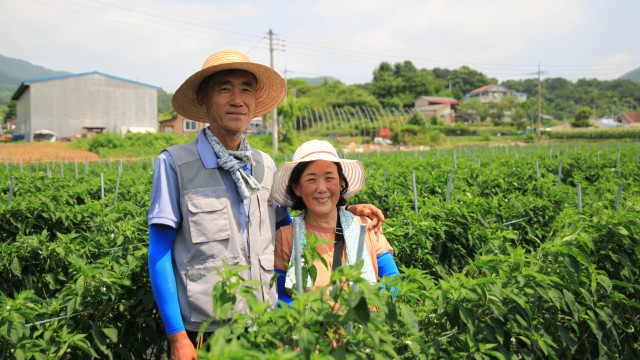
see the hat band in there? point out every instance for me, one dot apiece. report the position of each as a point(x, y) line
point(317, 152)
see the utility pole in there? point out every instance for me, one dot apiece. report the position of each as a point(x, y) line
point(274, 113)
point(286, 74)
point(539, 102)
point(532, 125)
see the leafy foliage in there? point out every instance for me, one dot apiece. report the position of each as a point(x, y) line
point(508, 268)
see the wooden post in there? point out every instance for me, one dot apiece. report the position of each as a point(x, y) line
point(298, 258)
point(455, 162)
point(360, 251)
point(117, 185)
point(102, 186)
point(415, 194)
point(10, 189)
point(579, 198)
point(449, 186)
point(559, 175)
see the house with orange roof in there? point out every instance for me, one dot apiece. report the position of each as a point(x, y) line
point(494, 93)
point(629, 118)
point(179, 124)
point(444, 108)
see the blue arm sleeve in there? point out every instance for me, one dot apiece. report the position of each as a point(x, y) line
point(163, 281)
point(284, 222)
point(282, 292)
point(387, 267)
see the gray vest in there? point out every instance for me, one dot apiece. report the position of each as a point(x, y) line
point(211, 233)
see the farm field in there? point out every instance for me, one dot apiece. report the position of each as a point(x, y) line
point(506, 252)
point(43, 151)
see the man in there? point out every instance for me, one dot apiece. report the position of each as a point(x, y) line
point(210, 200)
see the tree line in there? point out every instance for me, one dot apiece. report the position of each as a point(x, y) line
point(399, 85)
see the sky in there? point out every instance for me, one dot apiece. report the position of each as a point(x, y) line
point(162, 42)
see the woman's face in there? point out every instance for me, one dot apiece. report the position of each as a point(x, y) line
point(319, 187)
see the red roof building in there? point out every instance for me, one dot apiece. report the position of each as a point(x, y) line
point(181, 125)
point(494, 93)
point(629, 118)
point(444, 108)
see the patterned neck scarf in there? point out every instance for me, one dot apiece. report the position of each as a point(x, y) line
point(351, 231)
point(233, 162)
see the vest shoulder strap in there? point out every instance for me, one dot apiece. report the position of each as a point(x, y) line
point(263, 169)
point(184, 153)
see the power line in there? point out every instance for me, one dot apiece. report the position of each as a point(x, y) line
point(192, 28)
point(187, 20)
point(186, 25)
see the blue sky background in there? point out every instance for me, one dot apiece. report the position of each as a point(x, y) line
point(162, 42)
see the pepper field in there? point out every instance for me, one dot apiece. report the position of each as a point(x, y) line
point(505, 252)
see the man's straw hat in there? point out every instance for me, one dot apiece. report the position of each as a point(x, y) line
point(269, 93)
point(310, 151)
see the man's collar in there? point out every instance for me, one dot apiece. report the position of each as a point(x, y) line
point(207, 155)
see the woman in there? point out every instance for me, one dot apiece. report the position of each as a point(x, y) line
point(318, 182)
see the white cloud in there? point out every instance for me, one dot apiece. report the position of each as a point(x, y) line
point(161, 42)
point(614, 66)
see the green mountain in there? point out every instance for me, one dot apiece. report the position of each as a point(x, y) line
point(317, 80)
point(14, 71)
point(633, 75)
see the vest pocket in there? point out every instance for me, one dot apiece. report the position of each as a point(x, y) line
point(208, 219)
point(200, 282)
point(266, 273)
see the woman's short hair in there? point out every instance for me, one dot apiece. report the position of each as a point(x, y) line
point(294, 179)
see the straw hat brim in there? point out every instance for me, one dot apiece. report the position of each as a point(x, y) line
point(352, 169)
point(270, 91)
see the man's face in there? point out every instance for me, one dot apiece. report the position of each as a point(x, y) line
point(230, 98)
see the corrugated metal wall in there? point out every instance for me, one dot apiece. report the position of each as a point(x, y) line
point(66, 105)
point(23, 114)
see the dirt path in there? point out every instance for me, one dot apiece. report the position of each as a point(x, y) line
point(42, 152)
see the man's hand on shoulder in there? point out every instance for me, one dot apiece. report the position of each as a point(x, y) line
point(373, 213)
point(181, 347)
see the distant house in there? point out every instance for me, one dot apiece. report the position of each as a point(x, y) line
point(8, 126)
point(442, 107)
point(69, 104)
point(494, 93)
point(628, 118)
point(384, 132)
point(256, 126)
point(181, 125)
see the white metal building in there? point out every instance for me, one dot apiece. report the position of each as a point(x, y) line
point(68, 104)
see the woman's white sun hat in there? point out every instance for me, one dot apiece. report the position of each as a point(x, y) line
point(310, 151)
